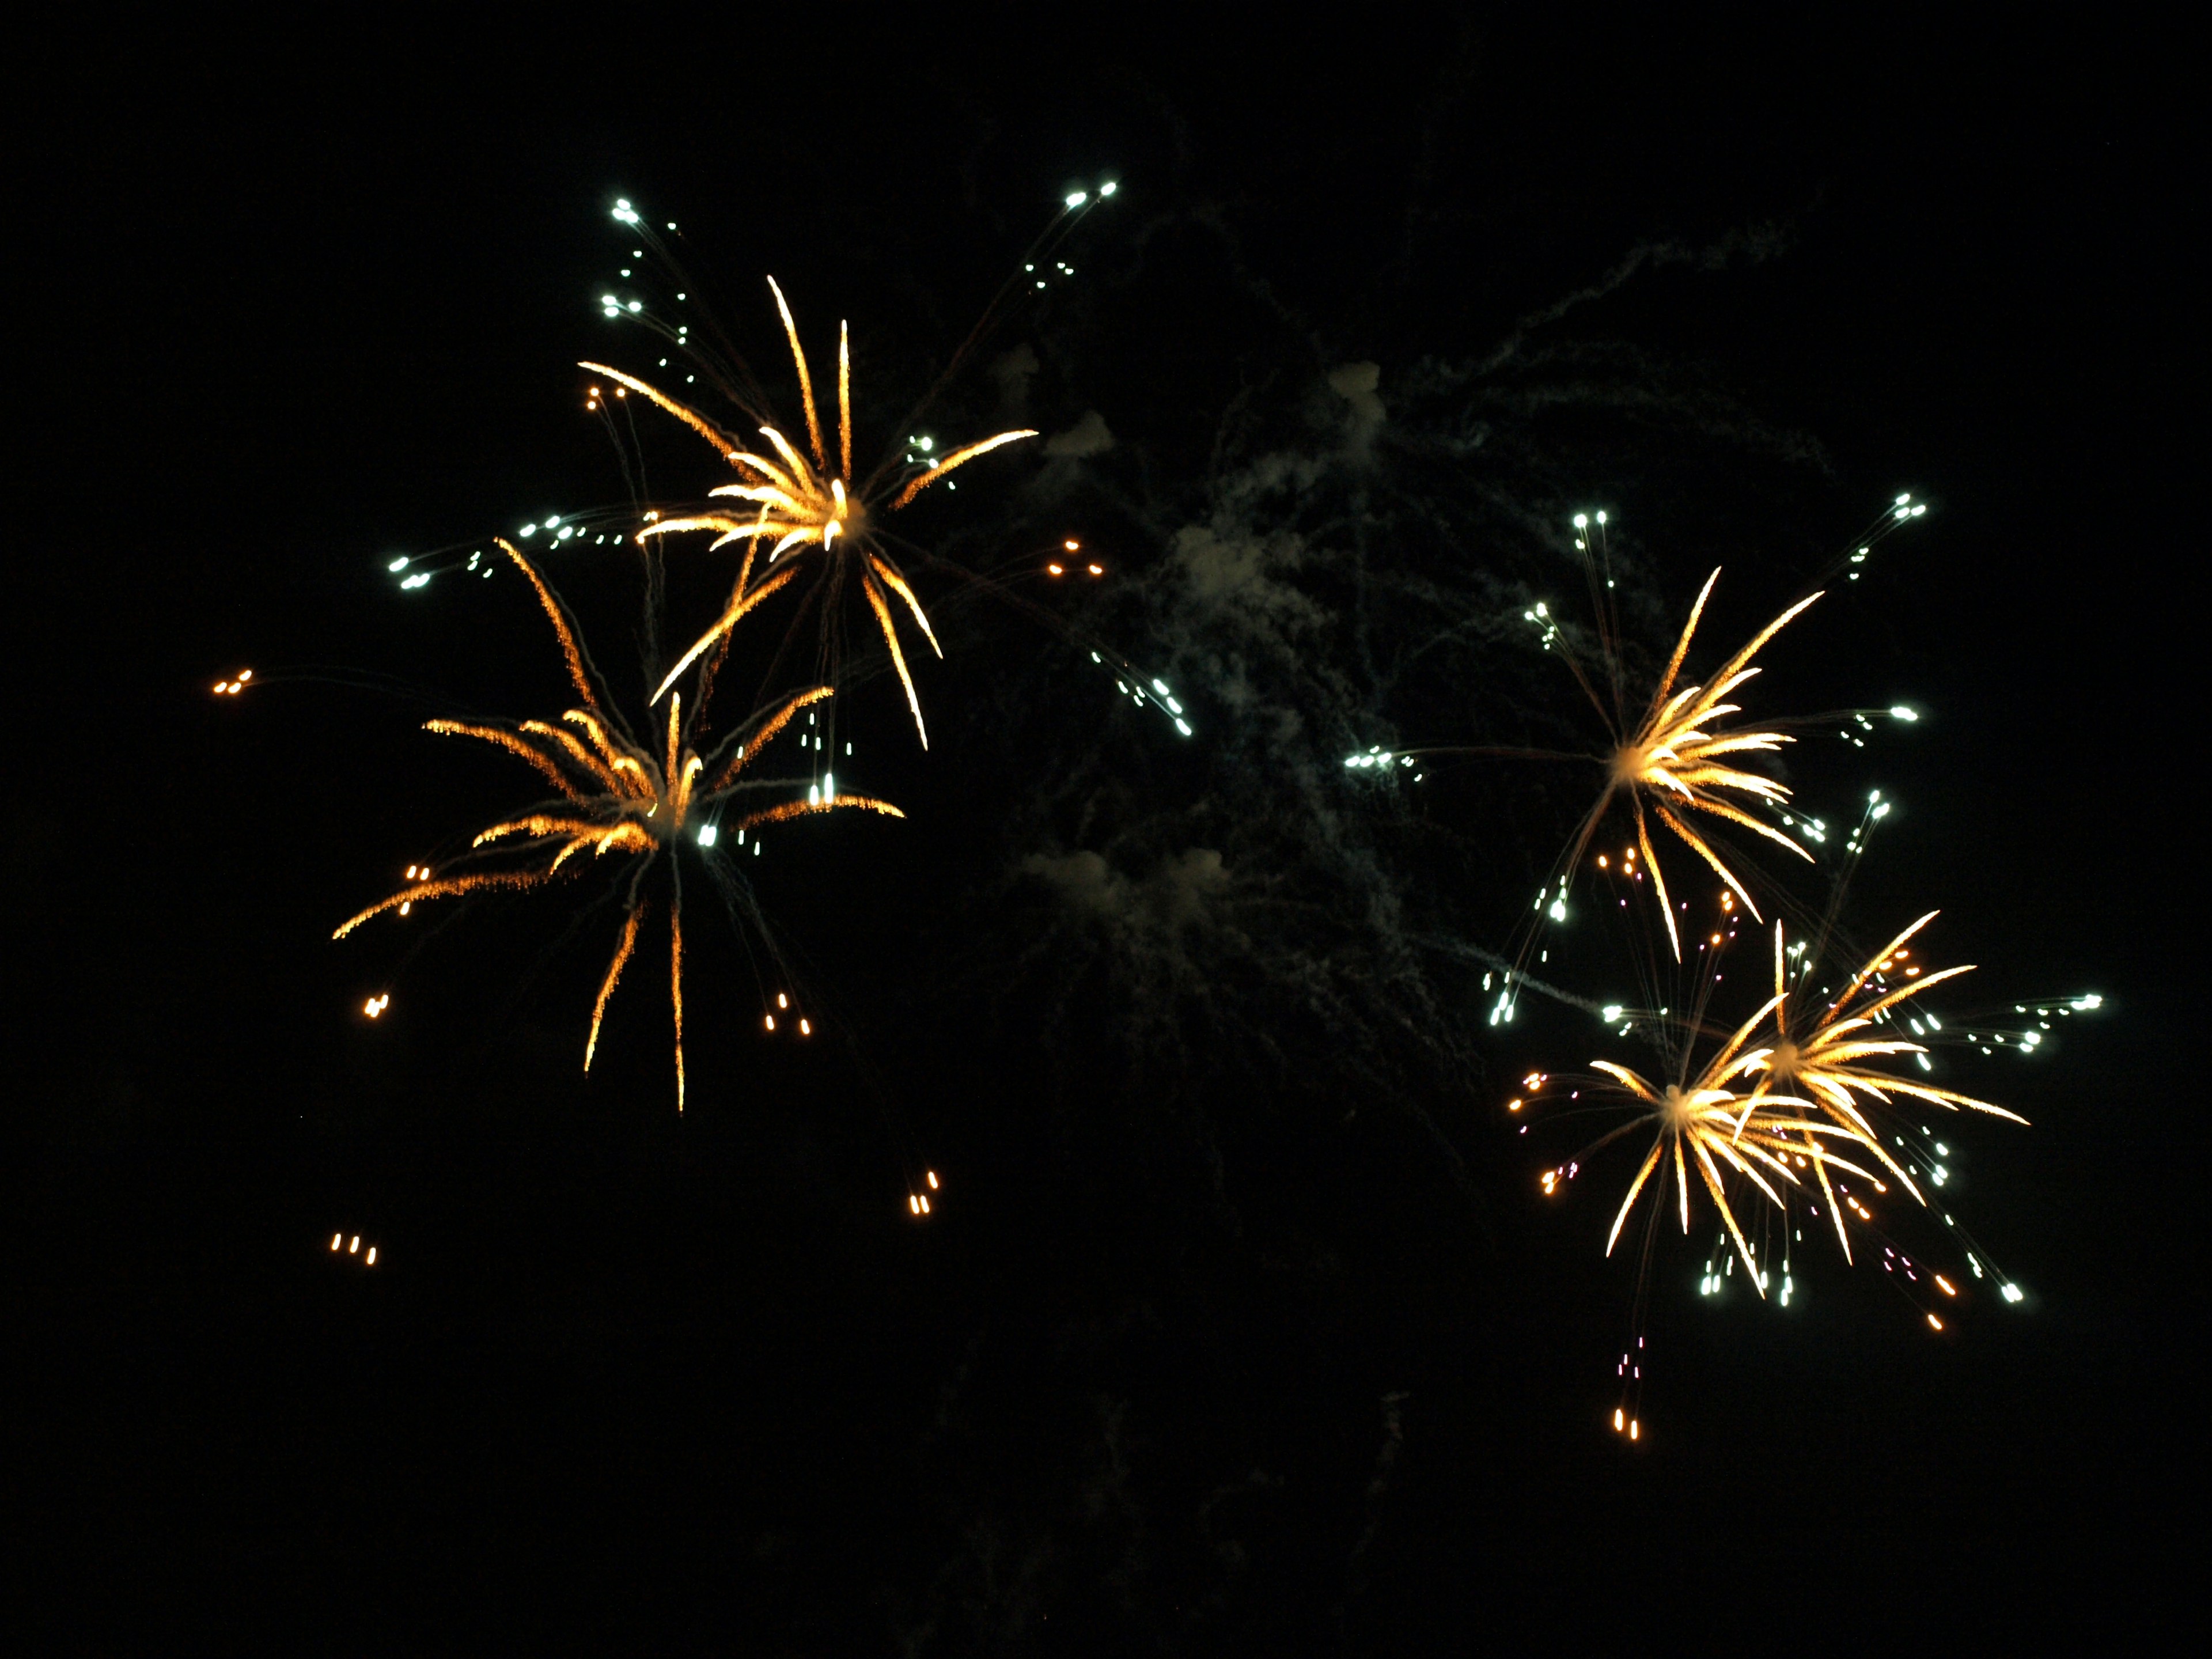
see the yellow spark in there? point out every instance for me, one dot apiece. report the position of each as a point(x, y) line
point(628, 943)
point(798, 504)
point(675, 991)
point(570, 652)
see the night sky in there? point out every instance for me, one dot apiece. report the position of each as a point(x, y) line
point(1241, 1324)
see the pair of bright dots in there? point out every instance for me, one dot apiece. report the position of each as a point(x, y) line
point(1080, 197)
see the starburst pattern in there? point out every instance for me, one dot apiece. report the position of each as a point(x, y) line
point(1722, 1130)
point(620, 796)
point(798, 504)
point(1679, 759)
point(1831, 1056)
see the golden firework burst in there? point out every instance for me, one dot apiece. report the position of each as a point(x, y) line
point(1829, 1056)
point(622, 797)
point(798, 502)
point(1678, 759)
point(1722, 1130)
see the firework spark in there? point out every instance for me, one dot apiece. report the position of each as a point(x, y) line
point(622, 797)
point(797, 502)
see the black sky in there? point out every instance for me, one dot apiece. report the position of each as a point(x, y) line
point(294, 302)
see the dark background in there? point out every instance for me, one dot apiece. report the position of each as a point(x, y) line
point(292, 302)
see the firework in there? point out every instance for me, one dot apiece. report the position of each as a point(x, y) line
point(1702, 1120)
point(1806, 1105)
point(796, 501)
point(1835, 1060)
point(1679, 759)
point(1759, 1140)
point(619, 797)
point(1676, 760)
